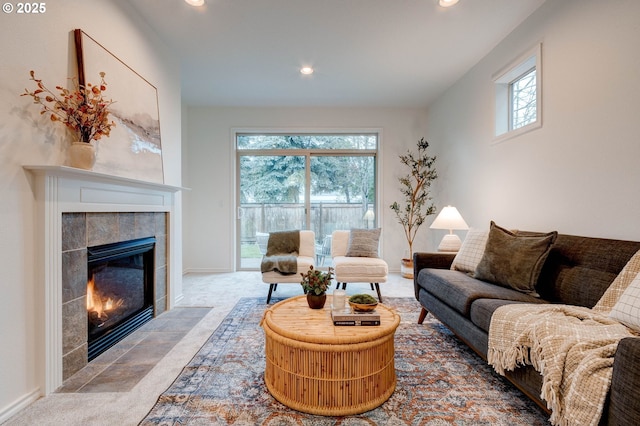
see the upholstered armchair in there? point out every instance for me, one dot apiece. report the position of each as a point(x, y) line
point(355, 258)
point(305, 258)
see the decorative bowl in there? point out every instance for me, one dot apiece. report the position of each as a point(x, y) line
point(363, 307)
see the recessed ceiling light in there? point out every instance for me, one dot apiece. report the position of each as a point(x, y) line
point(306, 70)
point(195, 2)
point(447, 3)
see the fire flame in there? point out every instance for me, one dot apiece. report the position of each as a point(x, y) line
point(96, 304)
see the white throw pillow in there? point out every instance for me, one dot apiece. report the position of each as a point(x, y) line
point(627, 309)
point(471, 251)
point(619, 285)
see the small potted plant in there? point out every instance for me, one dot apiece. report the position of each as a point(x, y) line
point(315, 284)
point(415, 186)
point(83, 110)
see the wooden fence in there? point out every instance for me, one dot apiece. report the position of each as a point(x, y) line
point(325, 218)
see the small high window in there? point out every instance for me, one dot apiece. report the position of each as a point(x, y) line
point(523, 100)
point(519, 95)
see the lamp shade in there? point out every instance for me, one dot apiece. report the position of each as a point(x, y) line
point(447, 3)
point(449, 218)
point(369, 215)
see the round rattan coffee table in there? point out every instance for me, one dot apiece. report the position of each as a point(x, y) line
point(318, 368)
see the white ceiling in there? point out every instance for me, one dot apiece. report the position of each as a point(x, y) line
point(382, 53)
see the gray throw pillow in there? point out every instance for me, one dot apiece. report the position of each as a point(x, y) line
point(363, 243)
point(514, 260)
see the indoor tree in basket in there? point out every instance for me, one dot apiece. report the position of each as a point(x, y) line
point(415, 186)
point(315, 284)
point(83, 110)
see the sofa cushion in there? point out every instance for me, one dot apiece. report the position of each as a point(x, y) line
point(471, 251)
point(363, 243)
point(514, 260)
point(627, 309)
point(578, 284)
point(482, 310)
point(473, 336)
point(579, 270)
point(459, 291)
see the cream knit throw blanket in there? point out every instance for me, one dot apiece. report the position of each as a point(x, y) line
point(571, 346)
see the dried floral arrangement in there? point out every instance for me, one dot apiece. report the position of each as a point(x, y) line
point(83, 110)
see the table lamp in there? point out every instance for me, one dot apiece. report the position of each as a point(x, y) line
point(369, 217)
point(449, 218)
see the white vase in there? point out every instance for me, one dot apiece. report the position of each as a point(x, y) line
point(82, 155)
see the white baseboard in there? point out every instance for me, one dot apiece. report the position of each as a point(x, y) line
point(18, 405)
point(205, 271)
point(178, 299)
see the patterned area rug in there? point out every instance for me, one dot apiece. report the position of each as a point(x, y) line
point(440, 381)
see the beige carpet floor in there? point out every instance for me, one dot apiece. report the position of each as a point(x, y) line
point(218, 291)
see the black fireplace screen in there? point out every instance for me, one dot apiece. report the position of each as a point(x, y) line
point(119, 291)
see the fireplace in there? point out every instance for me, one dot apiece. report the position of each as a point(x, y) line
point(119, 291)
point(89, 240)
point(76, 209)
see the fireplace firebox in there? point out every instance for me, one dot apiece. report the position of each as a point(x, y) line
point(119, 291)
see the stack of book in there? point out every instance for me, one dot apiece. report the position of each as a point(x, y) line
point(348, 317)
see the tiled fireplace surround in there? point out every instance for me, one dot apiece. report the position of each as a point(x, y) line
point(76, 209)
point(82, 230)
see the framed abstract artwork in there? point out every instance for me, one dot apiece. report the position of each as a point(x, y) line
point(133, 149)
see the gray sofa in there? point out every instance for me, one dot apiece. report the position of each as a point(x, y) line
point(577, 271)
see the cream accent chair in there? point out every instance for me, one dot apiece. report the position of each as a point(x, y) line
point(356, 269)
point(306, 258)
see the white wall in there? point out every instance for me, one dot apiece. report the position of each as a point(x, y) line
point(579, 173)
point(44, 43)
point(210, 219)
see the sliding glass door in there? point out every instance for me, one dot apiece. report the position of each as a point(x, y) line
point(317, 182)
point(272, 198)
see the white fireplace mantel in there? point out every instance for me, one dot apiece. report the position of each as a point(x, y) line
point(84, 187)
point(60, 189)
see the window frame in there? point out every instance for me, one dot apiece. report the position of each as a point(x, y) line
point(308, 153)
point(503, 81)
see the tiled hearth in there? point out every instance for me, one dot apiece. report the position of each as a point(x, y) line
point(82, 230)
